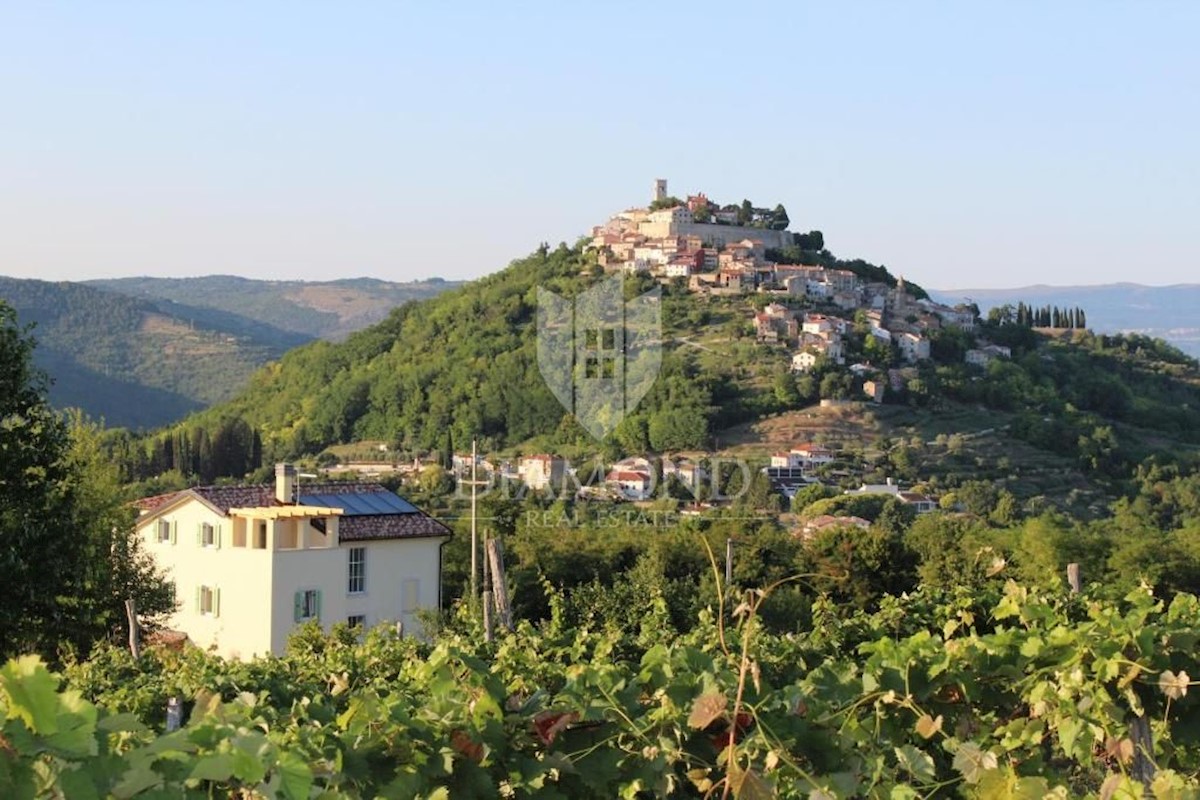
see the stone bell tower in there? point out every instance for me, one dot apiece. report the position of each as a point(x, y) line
point(660, 189)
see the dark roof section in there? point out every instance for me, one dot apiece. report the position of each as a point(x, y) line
point(371, 510)
point(389, 526)
point(227, 497)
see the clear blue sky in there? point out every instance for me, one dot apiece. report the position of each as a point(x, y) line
point(962, 144)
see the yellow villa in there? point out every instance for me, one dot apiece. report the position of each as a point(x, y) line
point(250, 563)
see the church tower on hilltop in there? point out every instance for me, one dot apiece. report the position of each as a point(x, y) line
point(660, 189)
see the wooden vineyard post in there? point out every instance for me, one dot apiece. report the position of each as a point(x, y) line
point(1074, 578)
point(487, 595)
point(495, 552)
point(135, 632)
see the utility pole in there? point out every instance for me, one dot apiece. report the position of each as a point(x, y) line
point(474, 482)
point(474, 539)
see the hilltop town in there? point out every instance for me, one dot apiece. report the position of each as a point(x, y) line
point(741, 250)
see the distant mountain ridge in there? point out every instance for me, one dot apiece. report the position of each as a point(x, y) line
point(1171, 313)
point(144, 352)
point(315, 309)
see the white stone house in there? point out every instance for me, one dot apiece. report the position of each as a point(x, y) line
point(631, 484)
point(250, 563)
point(913, 347)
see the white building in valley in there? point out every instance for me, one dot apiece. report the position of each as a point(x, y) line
point(250, 563)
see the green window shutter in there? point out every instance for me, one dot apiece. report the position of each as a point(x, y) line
point(217, 536)
point(198, 590)
point(175, 532)
point(298, 602)
point(318, 605)
point(216, 602)
point(199, 534)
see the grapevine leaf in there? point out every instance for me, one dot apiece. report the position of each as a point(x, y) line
point(927, 726)
point(972, 762)
point(706, 709)
point(121, 723)
point(32, 694)
point(215, 767)
point(1170, 785)
point(76, 726)
point(296, 776)
point(137, 779)
point(1173, 685)
point(916, 762)
point(1068, 732)
point(748, 784)
point(1120, 787)
point(1120, 749)
point(77, 785)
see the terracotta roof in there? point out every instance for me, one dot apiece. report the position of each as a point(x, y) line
point(396, 525)
point(155, 501)
point(627, 475)
point(390, 526)
point(227, 497)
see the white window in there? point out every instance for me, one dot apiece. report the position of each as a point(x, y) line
point(166, 532)
point(208, 601)
point(357, 583)
point(307, 605)
point(357, 620)
point(208, 535)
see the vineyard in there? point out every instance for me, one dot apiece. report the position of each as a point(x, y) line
point(1008, 693)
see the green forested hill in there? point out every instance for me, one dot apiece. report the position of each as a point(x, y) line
point(312, 309)
point(437, 373)
point(134, 362)
point(145, 352)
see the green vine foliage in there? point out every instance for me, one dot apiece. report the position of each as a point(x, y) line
point(1016, 694)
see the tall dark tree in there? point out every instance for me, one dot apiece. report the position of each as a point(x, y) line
point(38, 552)
point(63, 538)
point(779, 218)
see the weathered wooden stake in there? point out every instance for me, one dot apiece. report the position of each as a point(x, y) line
point(495, 552)
point(135, 632)
point(1143, 750)
point(488, 634)
point(486, 597)
point(1073, 578)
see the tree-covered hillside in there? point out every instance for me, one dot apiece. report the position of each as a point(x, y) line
point(438, 373)
point(131, 361)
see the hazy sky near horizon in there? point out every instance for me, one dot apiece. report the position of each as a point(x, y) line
point(989, 144)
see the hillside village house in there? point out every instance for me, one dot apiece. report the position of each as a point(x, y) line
point(921, 503)
point(250, 563)
point(630, 483)
point(542, 471)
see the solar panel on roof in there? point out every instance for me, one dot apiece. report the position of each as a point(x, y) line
point(361, 503)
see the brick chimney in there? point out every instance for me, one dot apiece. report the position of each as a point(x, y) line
point(285, 483)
